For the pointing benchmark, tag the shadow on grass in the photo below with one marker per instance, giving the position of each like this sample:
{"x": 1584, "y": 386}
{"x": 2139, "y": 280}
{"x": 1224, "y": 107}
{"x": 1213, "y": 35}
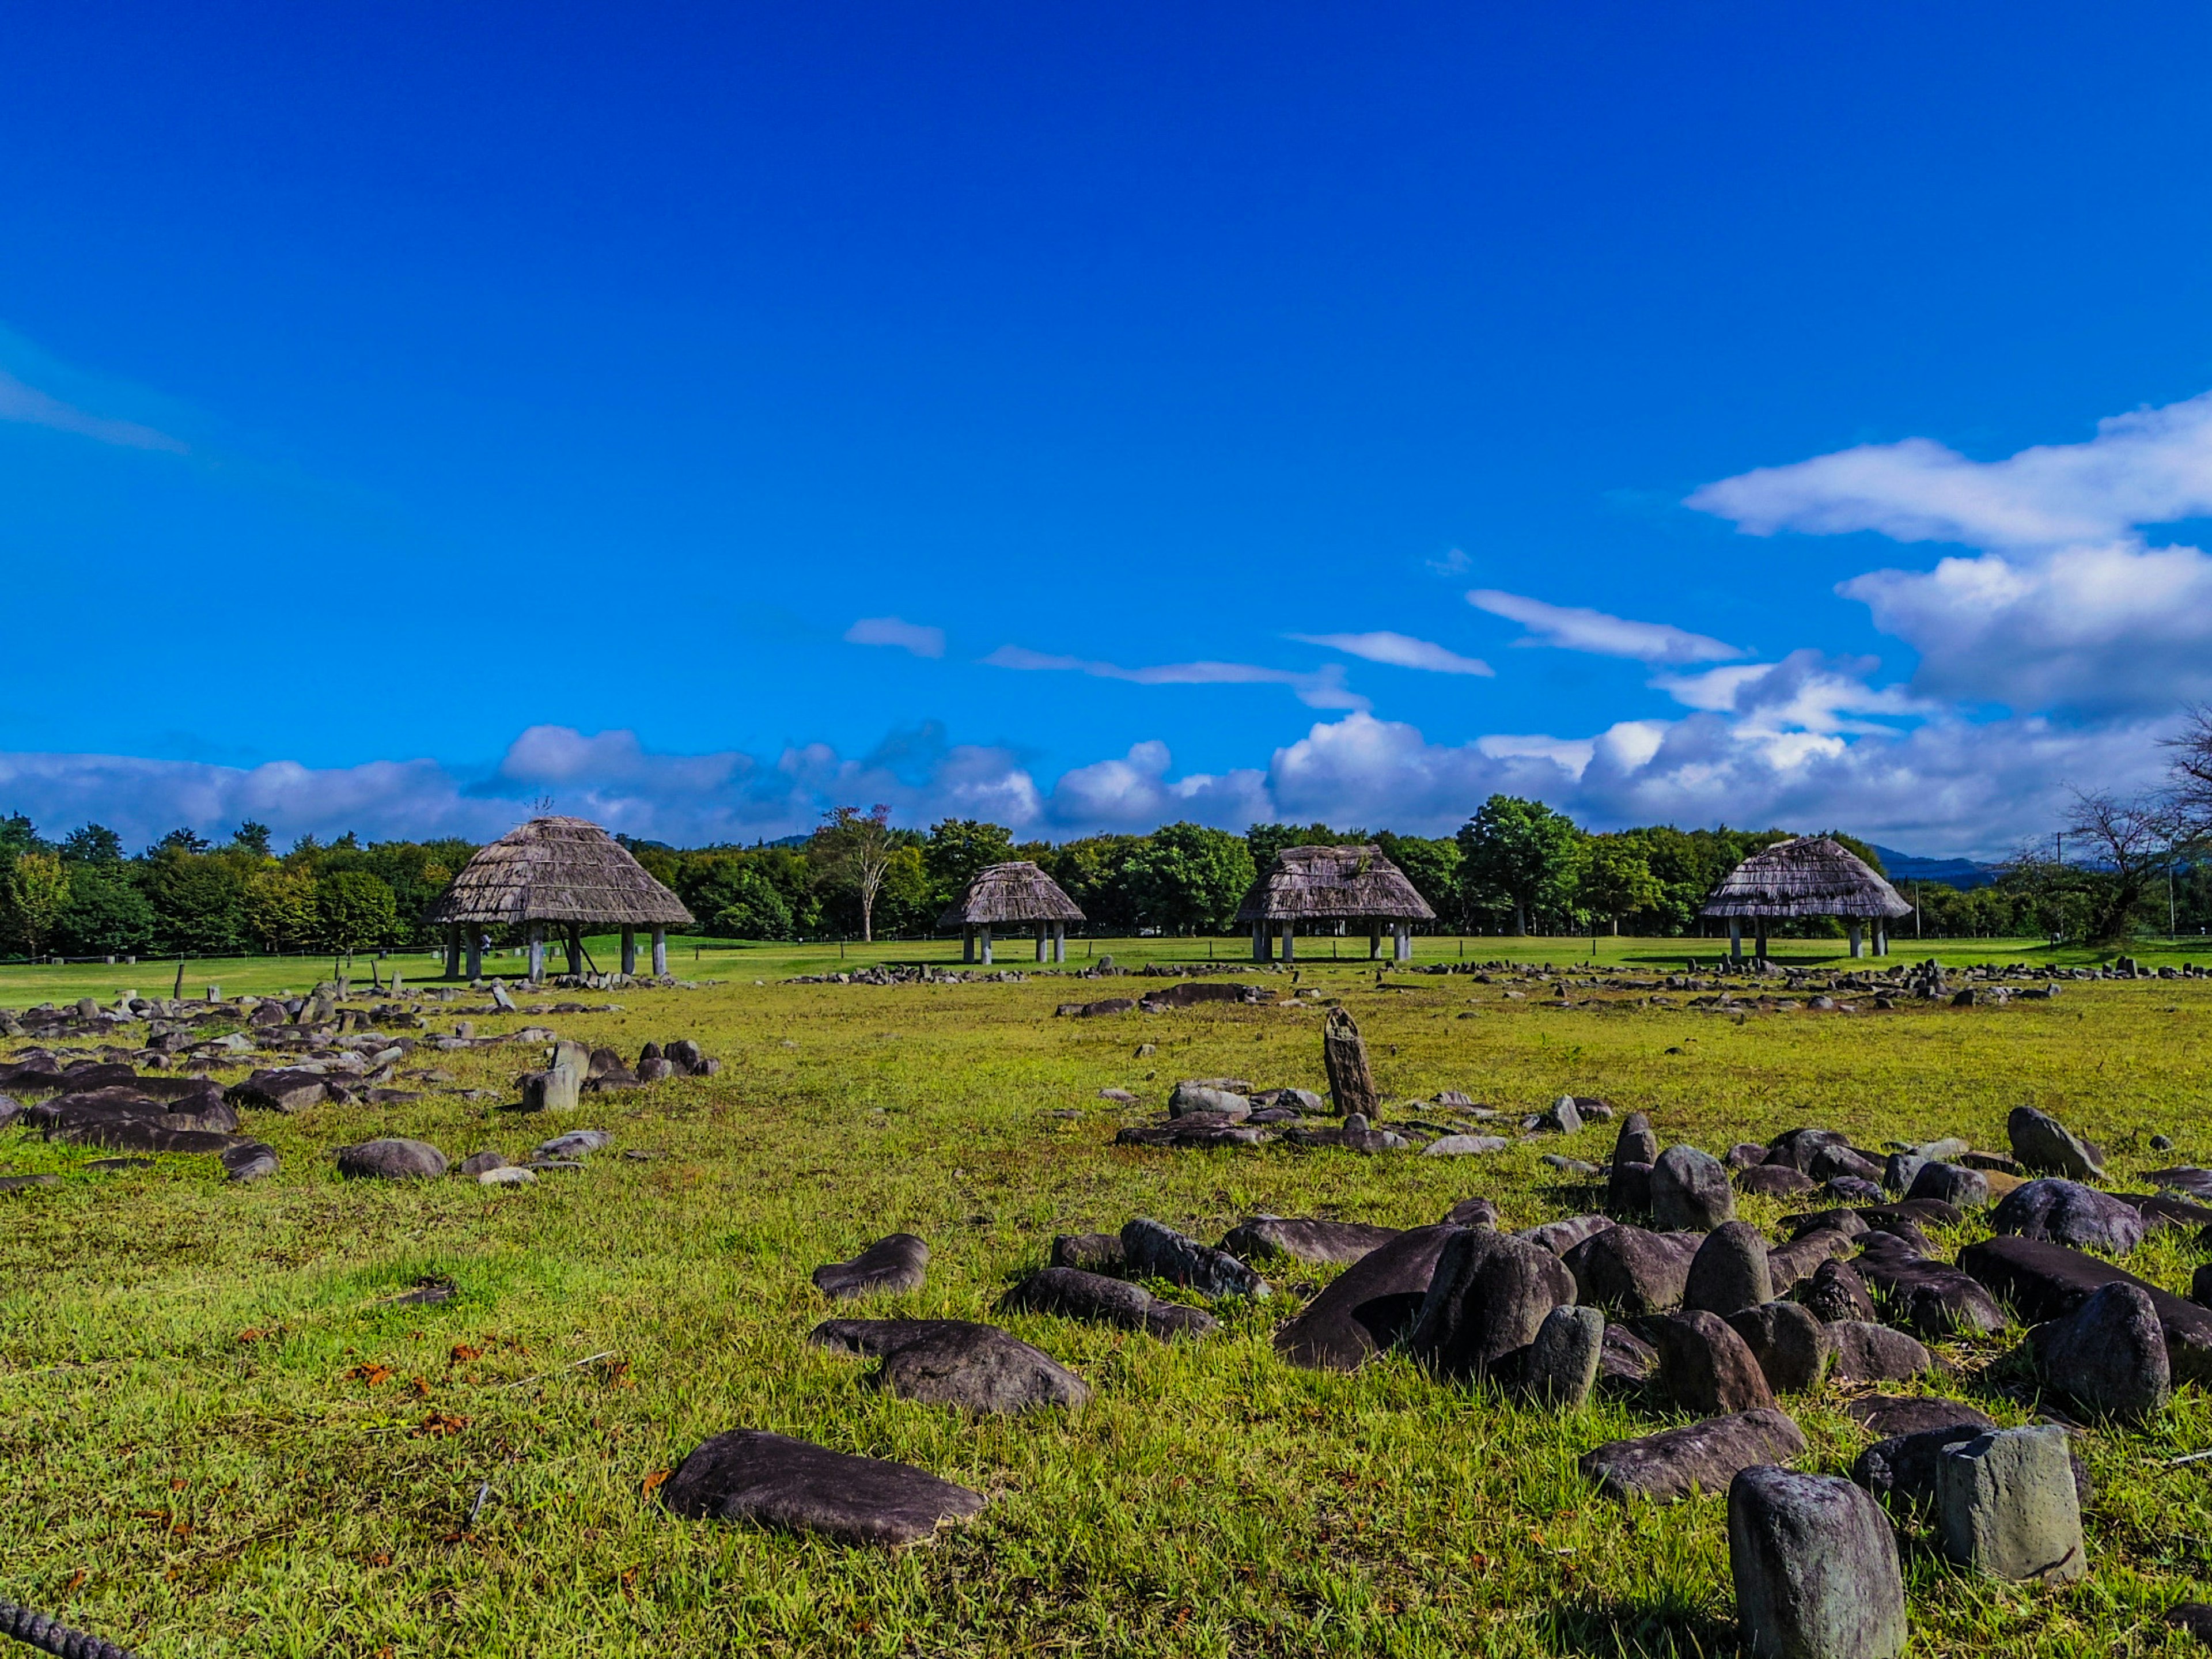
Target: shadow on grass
{"x": 1661, "y": 1627}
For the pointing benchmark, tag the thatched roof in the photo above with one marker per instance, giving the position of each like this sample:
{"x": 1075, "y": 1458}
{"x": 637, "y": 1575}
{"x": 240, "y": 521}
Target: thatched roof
{"x": 558, "y": 869}
{"x": 1009, "y": 893}
{"x": 1811, "y": 876}
{"x": 1333, "y": 884}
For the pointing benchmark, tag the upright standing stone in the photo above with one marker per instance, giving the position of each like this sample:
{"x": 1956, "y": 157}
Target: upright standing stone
{"x": 1706, "y": 1368}
{"x": 2108, "y": 1356}
{"x": 1344, "y": 1055}
{"x": 1561, "y": 1366}
{"x": 1730, "y": 1272}
{"x": 557, "y": 1089}
{"x": 1690, "y": 1191}
{"x": 2006, "y": 1505}
{"x": 1815, "y": 1567}
{"x": 2045, "y": 1146}
{"x": 1637, "y": 1143}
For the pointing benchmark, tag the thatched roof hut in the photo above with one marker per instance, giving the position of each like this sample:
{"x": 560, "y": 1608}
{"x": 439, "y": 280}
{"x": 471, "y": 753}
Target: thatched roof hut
{"x": 1331, "y": 885}
{"x": 1810, "y": 876}
{"x": 560, "y": 873}
{"x": 1013, "y": 895}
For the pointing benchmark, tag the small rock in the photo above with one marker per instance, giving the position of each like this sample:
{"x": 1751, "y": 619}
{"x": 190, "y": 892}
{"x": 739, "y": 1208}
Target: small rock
{"x": 1636, "y": 1143}
{"x": 1792, "y": 1347}
{"x": 888, "y": 1267}
{"x": 1690, "y": 1191}
{"x": 575, "y": 1143}
{"x": 1699, "y": 1457}
{"x": 476, "y": 1164}
{"x": 1730, "y": 1272}
{"x": 772, "y": 1481}
{"x": 1815, "y": 1567}
{"x": 1560, "y": 1117}
{"x": 392, "y": 1160}
{"x": 2068, "y": 1213}
{"x": 2046, "y": 1147}
{"x": 1837, "y": 1293}
{"x": 1093, "y": 1253}
{"x": 1561, "y": 1366}
{"x": 1560, "y": 1236}
{"x": 249, "y": 1160}
{"x": 2006, "y": 1506}
{"x": 557, "y": 1089}
{"x": 507, "y": 1175}
{"x": 1628, "y": 1189}
{"x": 1471, "y": 1213}
{"x": 1464, "y": 1145}
{"x": 1160, "y": 1252}
{"x": 1774, "y": 1181}
{"x": 1072, "y": 1294}
{"x": 1631, "y": 1271}
{"x": 2161, "y": 1143}
{"x": 2108, "y": 1356}
{"x": 1875, "y": 1354}
{"x": 979, "y": 1368}
{"x": 1705, "y": 1368}
{"x": 1950, "y": 1184}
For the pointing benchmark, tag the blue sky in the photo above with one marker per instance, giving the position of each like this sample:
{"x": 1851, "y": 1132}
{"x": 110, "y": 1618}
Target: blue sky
{"x": 1089, "y": 416}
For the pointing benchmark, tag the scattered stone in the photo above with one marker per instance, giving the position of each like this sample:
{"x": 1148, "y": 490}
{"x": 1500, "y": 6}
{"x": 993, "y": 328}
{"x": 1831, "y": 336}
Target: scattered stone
{"x": 795, "y": 1487}
{"x": 1569, "y": 1166}
{"x": 1193, "y": 1095}
{"x": 2049, "y": 1281}
{"x": 1930, "y": 1299}
{"x": 1690, "y": 1191}
{"x": 392, "y": 1160}
{"x": 1636, "y": 1143}
{"x": 1097, "y": 1299}
{"x": 1369, "y": 1307}
{"x": 978, "y": 1368}
{"x": 1791, "y": 1264}
{"x": 1489, "y": 1297}
{"x": 1815, "y": 1567}
{"x": 1626, "y": 1361}
{"x": 2067, "y": 1213}
{"x": 1119, "y": 1096}
{"x": 279, "y": 1091}
{"x": 557, "y": 1089}
{"x": 1093, "y": 1253}
{"x": 249, "y": 1160}
{"x": 1304, "y": 1241}
{"x": 1471, "y": 1213}
{"x": 508, "y": 1175}
{"x": 1852, "y": 1189}
{"x": 1631, "y": 1271}
{"x": 1837, "y": 1293}
{"x": 1875, "y": 1354}
{"x": 1628, "y": 1189}
{"x": 1774, "y": 1181}
{"x": 890, "y": 1266}
{"x": 1560, "y": 1236}
{"x": 1895, "y": 1415}
{"x": 1950, "y": 1184}
{"x": 1464, "y": 1145}
{"x": 1560, "y": 1117}
{"x": 2108, "y": 1356}
{"x": 1792, "y": 1347}
{"x": 2006, "y": 1505}
{"x": 1561, "y": 1366}
{"x": 2046, "y": 1146}
{"x": 1705, "y": 1368}
{"x": 476, "y": 1164}
{"x": 1159, "y": 1252}
{"x": 575, "y": 1143}
{"x": 1699, "y": 1457}
{"x": 1730, "y": 1272}
{"x": 23, "y": 1183}
{"x": 2194, "y": 1617}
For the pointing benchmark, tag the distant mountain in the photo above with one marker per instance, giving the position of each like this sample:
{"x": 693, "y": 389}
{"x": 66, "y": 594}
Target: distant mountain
{"x": 1952, "y": 873}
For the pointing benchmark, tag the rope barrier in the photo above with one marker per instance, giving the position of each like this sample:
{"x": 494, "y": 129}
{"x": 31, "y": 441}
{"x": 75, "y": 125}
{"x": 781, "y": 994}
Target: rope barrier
{"x": 50, "y": 1636}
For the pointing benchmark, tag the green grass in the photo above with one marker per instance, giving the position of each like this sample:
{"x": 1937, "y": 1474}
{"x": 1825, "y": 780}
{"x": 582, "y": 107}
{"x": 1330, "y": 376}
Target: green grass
{"x": 193, "y": 1460}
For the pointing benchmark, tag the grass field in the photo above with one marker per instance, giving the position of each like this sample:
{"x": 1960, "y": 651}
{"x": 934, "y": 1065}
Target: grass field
{"x": 217, "y": 1436}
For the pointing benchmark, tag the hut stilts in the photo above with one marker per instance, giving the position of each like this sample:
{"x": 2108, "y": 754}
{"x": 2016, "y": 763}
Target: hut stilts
{"x": 1810, "y": 876}
{"x": 1332, "y": 886}
{"x": 1017, "y": 894}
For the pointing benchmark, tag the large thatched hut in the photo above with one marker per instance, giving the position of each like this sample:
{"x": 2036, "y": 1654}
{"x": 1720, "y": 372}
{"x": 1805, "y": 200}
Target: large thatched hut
{"x": 1811, "y": 876}
{"x": 1009, "y": 896}
{"x": 1336, "y": 886}
{"x": 565, "y": 873}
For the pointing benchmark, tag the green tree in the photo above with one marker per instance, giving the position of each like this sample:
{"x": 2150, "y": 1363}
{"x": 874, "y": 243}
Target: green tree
{"x": 1265, "y": 841}
{"x": 199, "y": 902}
{"x": 280, "y": 907}
{"x": 106, "y": 914}
{"x": 251, "y": 837}
{"x": 19, "y": 835}
{"x": 1617, "y": 879}
{"x": 958, "y": 849}
{"x": 752, "y": 908}
{"x": 1095, "y": 872}
{"x": 355, "y": 910}
{"x": 1519, "y": 856}
{"x": 1432, "y": 865}
{"x": 854, "y": 850}
{"x": 95, "y": 843}
{"x": 1186, "y": 877}
{"x": 38, "y": 887}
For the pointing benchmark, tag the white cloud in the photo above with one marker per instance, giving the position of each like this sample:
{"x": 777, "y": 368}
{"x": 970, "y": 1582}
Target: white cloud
{"x": 1573, "y": 629}
{"x": 2065, "y": 609}
{"x": 1454, "y": 563}
{"x": 2149, "y": 467}
{"x": 1322, "y": 687}
{"x": 1399, "y": 651}
{"x": 916, "y": 637}
{"x": 1805, "y": 691}
{"x": 29, "y": 406}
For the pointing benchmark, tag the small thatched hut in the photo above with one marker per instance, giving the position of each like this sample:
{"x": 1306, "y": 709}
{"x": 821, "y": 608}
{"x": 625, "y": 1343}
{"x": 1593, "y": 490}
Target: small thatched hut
{"x": 1335, "y": 885}
{"x": 1811, "y": 876}
{"x": 566, "y": 873}
{"x": 1014, "y": 895}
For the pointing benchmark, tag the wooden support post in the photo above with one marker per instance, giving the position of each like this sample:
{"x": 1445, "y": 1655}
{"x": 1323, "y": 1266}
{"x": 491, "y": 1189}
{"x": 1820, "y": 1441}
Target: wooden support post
{"x": 967, "y": 943}
{"x": 453, "y": 951}
{"x": 1263, "y": 947}
{"x": 1344, "y": 1057}
{"x": 629, "y": 952}
{"x": 1403, "y": 943}
{"x": 983, "y": 942}
{"x": 575, "y": 944}
{"x": 476, "y": 953}
{"x": 1736, "y": 938}
{"x": 537, "y": 952}
{"x": 660, "y": 953}
{"x": 1060, "y": 941}
{"x": 1290, "y": 946}
{"x": 1859, "y": 939}
{"x": 1760, "y": 950}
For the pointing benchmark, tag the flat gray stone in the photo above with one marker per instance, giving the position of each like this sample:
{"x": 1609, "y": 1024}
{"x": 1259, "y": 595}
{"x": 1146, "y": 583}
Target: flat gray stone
{"x": 793, "y": 1485}
{"x": 391, "y": 1160}
{"x": 1950, "y": 1184}
{"x": 980, "y": 1369}
{"x": 1815, "y": 1568}
{"x": 889, "y": 1266}
{"x": 1369, "y": 1307}
{"x": 1319, "y": 1241}
{"x": 2006, "y": 1506}
{"x": 1074, "y": 1294}
{"x": 1157, "y": 1251}
{"x": 1875, "y": 1354}
{"x": 1698, "y": 1456}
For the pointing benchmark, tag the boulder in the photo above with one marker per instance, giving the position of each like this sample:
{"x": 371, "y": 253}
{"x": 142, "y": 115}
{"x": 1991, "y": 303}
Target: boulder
{"x": 1194, "y": 1097}
{"x": 1836, "y": 1160}
{"x": 279, "y": 1091}
{"x": 555, "y": 1089}
{"x": 1471, "y": 1213}
{"x": 1369, "y": 1307}
{"x": 1774, "y": 1181}
{"x": 1705, "y": 1368}
{"x": 1561, "y": 1366}
{"x": 2044, "y": 1146}
{"x": 1321, "y": 1242}
{"x": 887, "y": 1268}
{"x": 1074, "y": 1294}
{"x": 1560, "y": 1236}
{"x": 1625, "y": 1361}
{"x": 2049, "y": 1281}
{"x": 981, "y": 1368}
{"x": 1690, "y": 1191}
{"x": 1635, "y": 1143}
{"x": 1092, "y": 1252}
{"x": 1836, "y": 1291}
{"x": 792, "y": 1485}
{"x": 2006, "y": 1505}
{"x": 1490, "y": 1293}
{"x": 1728, "y": 1274}
{"x": 1464, "y": 1145}
{"x": 2068, "y": 1213}
{"x": 249, "y": 1160}
{"x": 1699, "y": 1457}
{"x": 1628, "y": 1189}
{"x": 1792, "y": 1347}
{"x": 1789, "y": 1265}
{"x": 1875, "y": 1354}
{"x": 1631, "y": 1271}
{"x": 1887, "y": 1416}
{"x": 1952, "y": 1183}
{"x": 2108, "y": 1356}
{"x": 391, "y": 1160}
{"x": 1157, "y": 1251}
{"x": 1815, "y": 1568}
{"x": 577, "y": 1143}
{"x": 1851, "y": 1189}
{"x": 1930, "y": 1299}
{"x": 1560, "y": 1117}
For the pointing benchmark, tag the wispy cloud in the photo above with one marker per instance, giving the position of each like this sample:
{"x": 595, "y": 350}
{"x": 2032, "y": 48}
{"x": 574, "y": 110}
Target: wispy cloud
{"x": 1454, "y": 563}
{"x": 1571, "y": 628}
{"x": 919, "y": 638}
{"x": 1399, "y": 651}
{"x": 1321, "y": 688}
{"x": 29, "y": 406}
